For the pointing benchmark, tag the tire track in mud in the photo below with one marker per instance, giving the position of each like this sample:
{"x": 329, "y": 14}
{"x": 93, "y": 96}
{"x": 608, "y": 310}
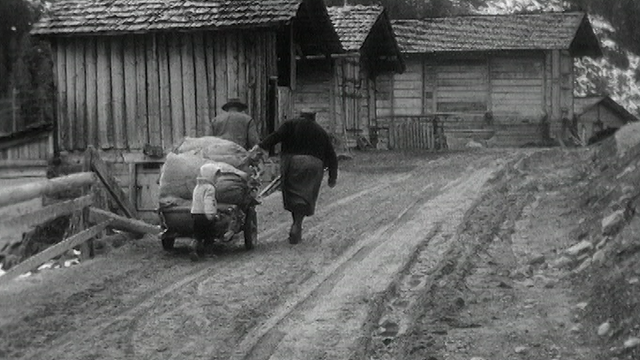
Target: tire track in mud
{"x": 143, "y": 303}
{"x": 329, "y": 276}
{"x": 149, "y": 300}
{"x": 301, "y": 330}
{"x": 394, "y": 333}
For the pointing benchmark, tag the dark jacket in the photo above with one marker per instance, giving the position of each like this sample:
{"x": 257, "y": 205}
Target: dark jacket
{"x": 305, "y": 137}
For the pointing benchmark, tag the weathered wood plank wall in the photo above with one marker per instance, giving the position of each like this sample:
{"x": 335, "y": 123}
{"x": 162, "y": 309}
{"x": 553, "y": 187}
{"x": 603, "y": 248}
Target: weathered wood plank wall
{"x": 122, "y": 92}
{"x": 519, "y": 89}
{"x": 407, "y": 97}
{"x": 39, "y": 147}
{"x": 314, "y": 90}
{"x": 384, "y": 95}
{"x": 461, "y": 86}
{"x": 517, "y": 86}
{"x": 342, "y": 94}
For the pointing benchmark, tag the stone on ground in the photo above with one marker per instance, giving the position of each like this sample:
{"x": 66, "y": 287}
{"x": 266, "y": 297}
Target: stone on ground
{"x": 612, "y": 222}
{"x": 604, "y": 329}
{"x": 627, "y": 137}
{"x": 579, "y": 248}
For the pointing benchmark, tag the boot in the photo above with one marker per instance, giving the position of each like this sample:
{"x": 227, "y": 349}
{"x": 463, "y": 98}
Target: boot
{"x": 196, "y": 249}
{"x": 295, "y": 234}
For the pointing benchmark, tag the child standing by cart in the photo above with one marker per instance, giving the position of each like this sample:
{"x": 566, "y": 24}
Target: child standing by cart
{"x": 204, "y": 208}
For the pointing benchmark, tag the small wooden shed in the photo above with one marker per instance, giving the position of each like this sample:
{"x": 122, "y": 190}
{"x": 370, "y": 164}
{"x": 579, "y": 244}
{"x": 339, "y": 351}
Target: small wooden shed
{"x": 134, "y": 77}
{"x": 598, "y": 113}
{"x": 507, "y": 79}
{"x": 24, "y": 154}
{"x": 341, "y": 89}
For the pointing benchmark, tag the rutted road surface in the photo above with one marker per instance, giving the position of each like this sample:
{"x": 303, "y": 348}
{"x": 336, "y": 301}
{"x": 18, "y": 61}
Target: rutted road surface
{"x": 314, "y": 300}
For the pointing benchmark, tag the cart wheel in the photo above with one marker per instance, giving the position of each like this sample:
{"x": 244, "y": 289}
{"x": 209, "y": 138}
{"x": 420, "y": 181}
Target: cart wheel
{"x": 250, "y": 229}
{"x": 167, "y": 243}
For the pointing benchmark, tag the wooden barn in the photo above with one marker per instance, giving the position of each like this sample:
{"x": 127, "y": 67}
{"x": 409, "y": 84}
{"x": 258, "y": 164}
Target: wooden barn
{"x": 134, "y": 77}
{"x": 341, "y": 89}
{"x": 505, "y": 80}
{"x": 599, "y": 113}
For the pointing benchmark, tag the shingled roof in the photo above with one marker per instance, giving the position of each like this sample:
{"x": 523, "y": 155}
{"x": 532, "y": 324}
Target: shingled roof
{"x": 353, "y": 23}
{"x": 547, "y": 31}
{"x": 367, "y": 29}
{"x": 66, "y": 17}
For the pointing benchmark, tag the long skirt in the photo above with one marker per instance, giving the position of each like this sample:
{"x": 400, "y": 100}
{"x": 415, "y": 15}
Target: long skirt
{"x": 302, "y": 177}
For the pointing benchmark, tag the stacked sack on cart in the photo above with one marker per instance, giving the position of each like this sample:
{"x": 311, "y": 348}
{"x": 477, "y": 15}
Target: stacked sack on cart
{"x": 182, "y": 167}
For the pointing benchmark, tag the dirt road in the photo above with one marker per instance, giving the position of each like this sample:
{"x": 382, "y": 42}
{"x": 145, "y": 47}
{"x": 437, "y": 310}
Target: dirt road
{"x": 397, "y": 227}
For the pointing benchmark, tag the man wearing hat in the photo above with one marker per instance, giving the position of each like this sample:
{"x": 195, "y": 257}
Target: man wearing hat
{"x": 234, "y": 125}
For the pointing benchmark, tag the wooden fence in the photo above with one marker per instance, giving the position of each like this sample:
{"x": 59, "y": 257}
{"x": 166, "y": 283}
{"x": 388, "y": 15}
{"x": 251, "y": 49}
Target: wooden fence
{"x": 90, "y": 220}
{"x": 407, "y": 133}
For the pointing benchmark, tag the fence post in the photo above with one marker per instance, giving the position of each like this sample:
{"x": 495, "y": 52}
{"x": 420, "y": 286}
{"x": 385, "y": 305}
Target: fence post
{"x": 14, "y": 110}
{"x": 87, "y": 248}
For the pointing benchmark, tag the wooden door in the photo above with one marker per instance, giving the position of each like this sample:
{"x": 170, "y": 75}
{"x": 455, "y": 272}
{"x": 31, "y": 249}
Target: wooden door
{"x": 147, "y": 177}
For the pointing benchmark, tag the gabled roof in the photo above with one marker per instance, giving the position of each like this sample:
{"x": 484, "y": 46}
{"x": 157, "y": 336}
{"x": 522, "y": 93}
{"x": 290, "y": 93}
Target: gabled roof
{"x": 582, "y": 105}
{"x": 547, "y": 31}
{"x": 354, "y": 23}
{"x": 367, "y": 29}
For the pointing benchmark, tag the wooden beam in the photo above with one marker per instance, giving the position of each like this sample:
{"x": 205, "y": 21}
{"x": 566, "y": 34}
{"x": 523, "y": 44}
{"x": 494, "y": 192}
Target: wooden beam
{"x": 62, "y": 118}
{"x": 51, "y": 252}
{"x": 104, "y": 99}
{"x": 18, "y": 163}
{"x": 100, "y": 168}
{"x": 118, "y": 94}
{"x": 130, "y": 88}
{"x": 188, "y": 85}
{"x": 91, "y": 96}
{"x": 122, "y": 223}
{"x": 17, "y": 194}
{"x": 48, "y": 213}
{"x": 174, "y": 44}
{"x": 153, "y": 92}
{"x": 70, "y": 82}
{"x": 79, "y": 128}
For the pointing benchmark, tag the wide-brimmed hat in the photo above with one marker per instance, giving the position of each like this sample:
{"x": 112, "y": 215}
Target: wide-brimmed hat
{"x": 235, "y": 102}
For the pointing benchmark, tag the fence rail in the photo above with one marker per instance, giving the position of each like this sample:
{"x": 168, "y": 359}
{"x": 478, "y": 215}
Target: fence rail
{"x": 85, "y": 212}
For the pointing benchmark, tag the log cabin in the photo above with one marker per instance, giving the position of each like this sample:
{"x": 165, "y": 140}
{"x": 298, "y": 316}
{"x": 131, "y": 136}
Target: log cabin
{"x": 341, "y": 89}
{"x": 503, "y": 80}
{"x": 594, "y": 114}
{"x": 134, "y": 77}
